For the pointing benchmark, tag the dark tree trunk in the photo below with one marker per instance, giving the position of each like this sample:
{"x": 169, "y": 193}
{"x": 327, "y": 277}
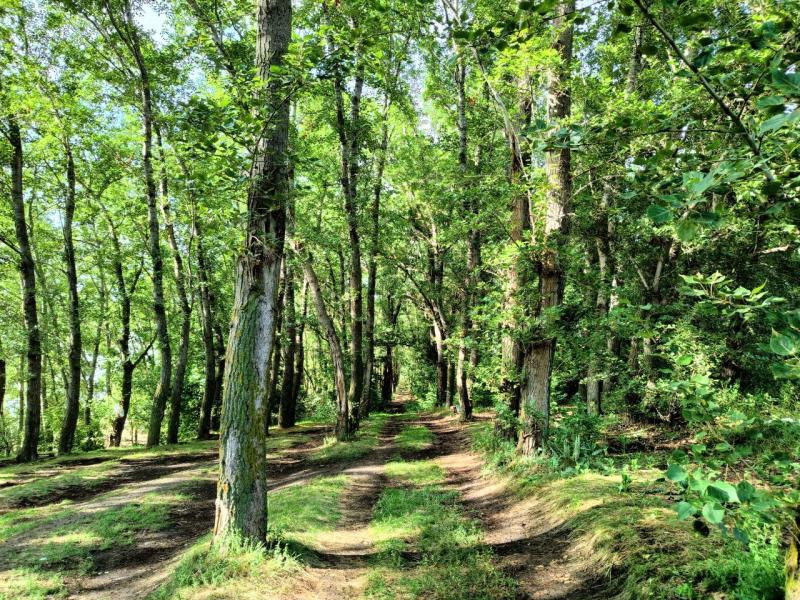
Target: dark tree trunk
{"x": 299, "y": 370}
{"x": 273, "y": 397}
{"x": 287, "y": 409}
{"x": 32, "y": 412}
{"x": 128, "y": 32}
{"x": 242, "y": 488}
{"x": 535, "y": 396}
{"x": 207, "y": 321}
{"x": 67, "y": 438}
{"x": 176, "y": 393}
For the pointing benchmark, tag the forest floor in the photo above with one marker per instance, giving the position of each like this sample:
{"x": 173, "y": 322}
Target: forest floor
{"x": 405, "y": 510}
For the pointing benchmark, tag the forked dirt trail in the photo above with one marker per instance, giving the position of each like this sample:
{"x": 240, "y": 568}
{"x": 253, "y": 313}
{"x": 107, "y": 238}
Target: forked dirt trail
{"x": 527, "y": 544}
{"x": 531, "y": 547}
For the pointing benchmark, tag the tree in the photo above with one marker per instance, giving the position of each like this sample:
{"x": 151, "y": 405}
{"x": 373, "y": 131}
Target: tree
{"x": 242, "y": 488}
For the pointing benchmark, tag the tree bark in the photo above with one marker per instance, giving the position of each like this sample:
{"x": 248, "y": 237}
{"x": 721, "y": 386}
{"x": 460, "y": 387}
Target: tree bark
{"x": 344, "y": 424}
{"x": 207, "y": 322}
{"x": 176, "y": 393}
{"x": 287, "y": 409}
{"x": 32, "y": 412}
{"x": 128, "y": 32}
{"x": 242, "y": 487}
{"x": 535, "y": 411}
{"x": 67, "y": 437}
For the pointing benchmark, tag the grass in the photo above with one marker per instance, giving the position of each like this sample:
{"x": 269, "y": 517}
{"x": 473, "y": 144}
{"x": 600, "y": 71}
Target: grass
{"x": 240, "y": 570}
{"x": 414, "y": 437}
{"x": 50, "y": 477}
{"x": 364, "y": 442}
{"x": 631, "y": 534}
{"x": 298, "y": 512}
{"x": 418, "y": 517}
{"x": 234, "y": 570}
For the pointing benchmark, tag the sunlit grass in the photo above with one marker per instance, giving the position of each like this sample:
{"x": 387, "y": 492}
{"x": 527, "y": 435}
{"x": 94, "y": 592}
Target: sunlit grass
{"x": 364, "y": 441}
{"x": 414, "y": 437}
{"x": 424, "y": 520}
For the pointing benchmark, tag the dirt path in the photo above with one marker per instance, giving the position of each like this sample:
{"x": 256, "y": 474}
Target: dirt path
{"x": 131, "y": 573}
{"x": 528, "y": 544}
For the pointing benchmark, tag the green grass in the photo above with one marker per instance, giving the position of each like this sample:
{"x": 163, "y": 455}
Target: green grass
{"x": 414, "y": 437}
{"x": 299, "y": 511}
{"x": 45, "y": 479}
{"x": 233, "y": 569}
{"x": 635, "y": 534}
{"x": 422, "y": 518}
{"x": 364, "y": 442}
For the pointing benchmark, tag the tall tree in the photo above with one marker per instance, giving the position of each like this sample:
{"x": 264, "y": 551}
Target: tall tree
{"x": 242, "y": 488}
{"x": 29, "y": 447}
{"x": 558, "y": 166}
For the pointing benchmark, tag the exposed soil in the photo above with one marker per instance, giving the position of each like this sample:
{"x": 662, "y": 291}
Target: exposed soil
{"x": 130, "y": 471}
{"x": 529, "y": 544}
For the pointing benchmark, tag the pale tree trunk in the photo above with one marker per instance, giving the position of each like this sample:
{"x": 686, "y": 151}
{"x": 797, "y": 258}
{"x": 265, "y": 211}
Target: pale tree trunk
{"x": 176, "y": 393}
{"x": 535, "y": 397}
{"x": 32, "y": 411}
{"x": 67, "y": 437}
{"x": 241, "y": 506}
{"x": 299, "y": 370}
{"x": 90, "y": 376}
{"x": 793, "y": 561}
{"x": 343, "y": 426}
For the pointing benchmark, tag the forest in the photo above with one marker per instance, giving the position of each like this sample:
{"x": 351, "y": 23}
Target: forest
{"x": 394, "y": 299}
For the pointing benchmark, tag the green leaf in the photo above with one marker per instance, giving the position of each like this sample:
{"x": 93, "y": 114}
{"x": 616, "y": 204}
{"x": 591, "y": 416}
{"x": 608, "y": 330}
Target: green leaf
{"x": 782, "y": 344}
{"x": 745, "y": 490}
{"x": 684, "y": 360}
{"x": 713, "y": 512}
{"x": 659, "y": 214}
{"x": 770, "y": 101}
{"x": 685, "y": 510}
{"x": 741, "y": 536}
{"x": 686, "y": 230}
{"x": 723, "y": 491}
{"x": 677, "y": 473}
{"x": 779, "y": 121}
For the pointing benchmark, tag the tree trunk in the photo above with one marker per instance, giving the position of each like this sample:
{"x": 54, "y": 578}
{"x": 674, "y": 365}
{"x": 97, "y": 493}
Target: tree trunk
{"x": 242, "y": 488}
{"x": 273, "y": 398}
{"x": 67, "y": 437}
{"x": 176, "y": 393}
{"x": 535, "y": 411}
{"x": 127, "y": 30}
{"x": 299, "y": 371}
{"x": 287, "y": 410}
{"x": 343, "y": 421}
{"x": 793, "y": 561}
{"x": 207, "y": 321}
{"x": 32, "y": 412}
{"x": 87, "y": 404}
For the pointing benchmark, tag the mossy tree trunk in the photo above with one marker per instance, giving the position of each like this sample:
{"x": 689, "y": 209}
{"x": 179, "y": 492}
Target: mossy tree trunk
{"x": 535, "y": 398}
{"x": 241, "y": 506}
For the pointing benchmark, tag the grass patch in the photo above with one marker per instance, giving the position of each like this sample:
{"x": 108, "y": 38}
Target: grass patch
{"x": 632, "y": 531}
{"x": 65, "y": 539}
{"x": 298, "y": 512}
{"x": 364, "y": 441}
{"x": 414, "y": 437}
{"x": 237, "y": 569}
{"x": 25, "y": 584}
{"x": 424, "y": 520}
{"x": 42, "y": 479}
{"x": 284, "y": 442}
{"x": 231, "y": 570}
